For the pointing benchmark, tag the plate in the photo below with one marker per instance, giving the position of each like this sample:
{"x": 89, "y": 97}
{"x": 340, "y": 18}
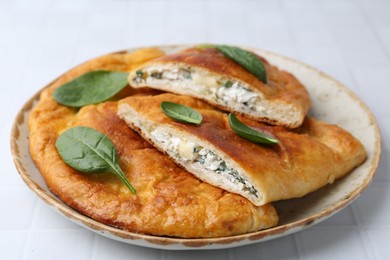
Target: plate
{"x": 332, "y": 102}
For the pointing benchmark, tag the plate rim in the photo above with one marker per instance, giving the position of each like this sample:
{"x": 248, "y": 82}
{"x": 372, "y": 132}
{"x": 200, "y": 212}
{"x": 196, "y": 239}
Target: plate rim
{"x": 194, "y": 243}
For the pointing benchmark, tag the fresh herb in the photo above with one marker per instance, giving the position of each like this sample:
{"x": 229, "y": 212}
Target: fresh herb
{"x": 91, "y": 88}
{"x": 222, "y": 166}
{"x": 139, "y": 76}
{"x": 228, "y": 84}
{"x": 181, "y": 113}
{"x": 187, "y": 74}
{"x": 139, "y": 73}
{"x": 202, "y": 159}
{"x": 249, "y": 133}
{"x": 157, "y": 75}
{"x": 88, "y": 150}
{"x": 246, "y": 59}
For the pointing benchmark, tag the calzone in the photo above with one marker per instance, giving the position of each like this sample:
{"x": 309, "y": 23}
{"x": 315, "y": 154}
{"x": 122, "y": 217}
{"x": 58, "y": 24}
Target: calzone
{"x": 306, "y": 158}
{"x": 207, "y": 74}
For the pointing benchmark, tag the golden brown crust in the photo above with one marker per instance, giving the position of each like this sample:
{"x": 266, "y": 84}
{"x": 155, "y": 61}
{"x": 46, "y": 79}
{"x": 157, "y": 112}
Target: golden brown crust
{"x": 306, "y": 159}
{"x": 282, "y": 87}
{"x": 169, "y": 201}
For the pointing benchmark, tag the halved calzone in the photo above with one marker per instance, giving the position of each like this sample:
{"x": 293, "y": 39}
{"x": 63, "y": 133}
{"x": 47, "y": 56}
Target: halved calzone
{"x": 207, "y": 74}
{"x": 306, "y": 158}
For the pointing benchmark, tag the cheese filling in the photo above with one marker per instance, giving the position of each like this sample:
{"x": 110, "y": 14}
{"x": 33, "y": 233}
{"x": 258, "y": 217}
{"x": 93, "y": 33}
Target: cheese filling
{"x": 191, "y": 153}
{"x": 221, "y": 90}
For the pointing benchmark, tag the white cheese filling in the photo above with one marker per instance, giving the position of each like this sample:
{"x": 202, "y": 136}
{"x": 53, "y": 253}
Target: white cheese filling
{"x": 220, "y": 90}
{"x": 193, "y": 154}
{"x": 240, "y": 96}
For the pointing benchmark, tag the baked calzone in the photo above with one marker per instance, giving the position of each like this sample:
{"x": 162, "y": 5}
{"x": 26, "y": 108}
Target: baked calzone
{"x": 207, "y": 74}
{"x": 304, "y": 160}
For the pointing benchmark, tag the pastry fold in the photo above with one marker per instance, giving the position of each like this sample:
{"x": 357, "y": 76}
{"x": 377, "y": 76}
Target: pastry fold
{"x": 208, "y": 75}
{"x": 306, "y": 159}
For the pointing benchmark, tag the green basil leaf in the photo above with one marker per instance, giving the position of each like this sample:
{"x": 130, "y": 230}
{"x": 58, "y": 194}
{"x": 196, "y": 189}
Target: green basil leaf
{"x": 181, "y": 113}
{"x": 249, "y": 133}
{"x": 246, "y": 59}
{"x": 88, "y": 150}
{"x": 90, "y": 88}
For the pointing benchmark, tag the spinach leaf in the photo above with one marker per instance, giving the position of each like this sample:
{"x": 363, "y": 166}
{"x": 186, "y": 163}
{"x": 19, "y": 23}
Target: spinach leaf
{"x": 88, "y": 150}
{"x": 246, "y": 59}
{"x": 90, "y": 88}
{"x": 249, "y": 133}
{"x": 181, "y": 113}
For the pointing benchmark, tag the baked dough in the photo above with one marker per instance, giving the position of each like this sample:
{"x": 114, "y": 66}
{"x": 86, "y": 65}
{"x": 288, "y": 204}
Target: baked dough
{"x": 306, "y": 159}
{"x": 169, "y": 201}
{"x": 208, "y": 75}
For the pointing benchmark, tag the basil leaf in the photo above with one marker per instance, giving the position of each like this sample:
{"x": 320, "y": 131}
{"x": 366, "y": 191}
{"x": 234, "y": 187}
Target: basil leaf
{"x": 90, "y": 151}
{"x": 181, "y": 113}
{"x": 246, "y": 59}
{"x": 249, "y": 133}
{"x": 90, "y": 88}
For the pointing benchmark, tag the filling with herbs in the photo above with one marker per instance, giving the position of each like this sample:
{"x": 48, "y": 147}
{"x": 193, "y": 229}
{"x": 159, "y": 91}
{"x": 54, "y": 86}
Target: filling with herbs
{"x": 225, "y": 92}
{"x": 188, "y": 151}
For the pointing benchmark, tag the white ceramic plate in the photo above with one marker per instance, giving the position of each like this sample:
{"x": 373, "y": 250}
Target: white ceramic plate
{"x": 332, "y": 102}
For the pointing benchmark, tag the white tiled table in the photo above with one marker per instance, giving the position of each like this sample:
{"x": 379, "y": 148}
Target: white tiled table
{"x": 40, "y": 39}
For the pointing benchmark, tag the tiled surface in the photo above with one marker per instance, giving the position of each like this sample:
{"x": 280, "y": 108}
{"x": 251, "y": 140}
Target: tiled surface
{"x": 349, "y": 39}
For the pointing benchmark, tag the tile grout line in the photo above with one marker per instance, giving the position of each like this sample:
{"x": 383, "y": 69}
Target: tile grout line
{"x": 164, "y": 22}
{"x": 31, "y": 231}
{"x": 96, "y": 242}
{"x": 205, "y": 13}
{"x": 372, "y": 27}
{"x": 286, "y": 18}
{"x": 76, "y": 46}
{"x": 299, "y": 244}
{"x": 246, "y": 25}
{"x": 367, "y": 243}
{"x": 232, "y": 253}
{"x": 345, "y": 64}
{"x": 163, "y": 254}
{"x": 128, "y": 23}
